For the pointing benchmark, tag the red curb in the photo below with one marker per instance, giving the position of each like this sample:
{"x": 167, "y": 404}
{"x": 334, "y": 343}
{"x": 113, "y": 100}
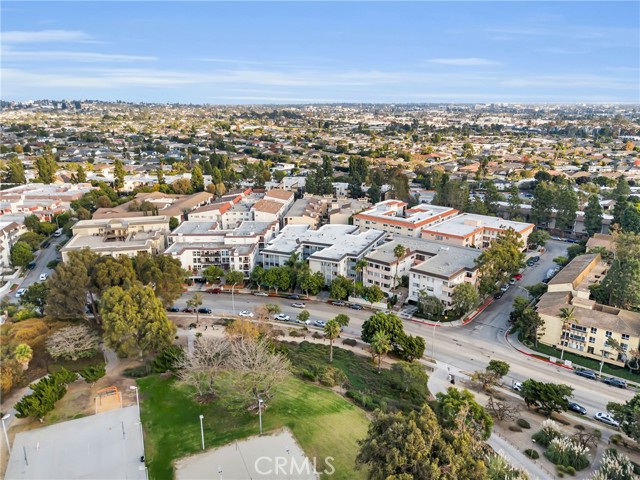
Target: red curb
{"x": 481, "y": 309}
{"x": 532, "y": 355}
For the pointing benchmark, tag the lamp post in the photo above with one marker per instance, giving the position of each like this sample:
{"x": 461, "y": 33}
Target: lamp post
{"x": 4, "y": 428}
{"x": 220, "y": 472}
{"x": 601, "y": 362}
{"x": 233, "y": 301}
{"x": 202, "y": 430}
{"x": 133, "y": 387}
{"x": 260, "y": 402}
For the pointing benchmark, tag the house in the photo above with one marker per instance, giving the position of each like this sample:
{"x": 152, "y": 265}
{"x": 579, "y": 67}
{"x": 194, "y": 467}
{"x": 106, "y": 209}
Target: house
{"x": 9, "y": 234}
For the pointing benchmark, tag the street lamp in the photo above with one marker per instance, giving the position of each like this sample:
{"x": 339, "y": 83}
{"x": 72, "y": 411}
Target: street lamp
{"x": 601, "y": 362}
{"x": 133, "y": 387}
{"x": 220, "y": 472}
{"x": 202, "y": 431}
{"x": 260, "y": 402}
{"x": 4, "y": 428}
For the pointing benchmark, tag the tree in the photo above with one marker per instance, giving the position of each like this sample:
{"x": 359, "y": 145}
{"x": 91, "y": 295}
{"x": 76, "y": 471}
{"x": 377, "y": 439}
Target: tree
{"x": 201, "y": 366}
{"x": 163, "y": 273}
{"x": 21, "y": 254}
{"x": 242, "y": 329}
{"x": 491, "y": 375}
{"x": 491, "y": 198}
{"x": 160, "y": 176}
{"x": 73, "y": 343}
{"x": 548, "y": 397}
{"x": 341, "y": 287}
{"x": 593, "y": 216}
{"x": 544, "y": 197}
{"x": 429, "y": 305}
{"x": 361, "y": 265}
{"x": 118, "y": 175}
{"x": 501, "y": 260}
{"x": 23, "y": 355}
{"x": 257, "y": 276}
{"x": 14, "y": 172}
{"x": 304, "y": 315}
{"x": 498, "y": 367}
{"x": 501, "y": 410}
{"x": 81, "y": 174}
{"x": 622, "y": 188}
{"x": 566, "y": 208}
{"x": 373, "y": 294}
{"x": 46, "y": 168}
{"x": 409, "y": 347}
{"x": 104, "y": 202}
{"x": 568, "y": 317}
{"x": 628, "y": 415}
{"x": 539, "y": 238}
{"x": 630, "y": 219}
{"x": 411, "y": 380}
{"x": 194, "y": 302}
{"x": 387, "y": 323}
{"x": 464, "y": 298}
{"x": 331, "y": 332}
{"x": 212, "y": 273}
{"x": 182, "y": 186}
{"x": 36, "y": 295}
{"x": 197, "y": 179}
{"x": 278, "y": 278}
{"x": 135, "y": 321}
{"x": 107, "y": 272}
{"x": 311, "y": 283}
{"x": 69, "y": 286}
{"x": 342, "y": 319}
{"x": 233, "y": 278}
{"x": 380, "y": 345}
{"x": 513, "y": 203}
{"x": 398, "y": 252}
{"x": 455, "y": 402}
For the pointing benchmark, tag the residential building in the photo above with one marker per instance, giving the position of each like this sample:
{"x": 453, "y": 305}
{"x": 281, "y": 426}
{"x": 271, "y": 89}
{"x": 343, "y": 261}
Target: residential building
{"x": 306, "y": 211}
{"x": 393, "y": 216}
{"x": 478, "y": 231}
{"x": 119, "y": 236}
{"x": 9, "y": 234}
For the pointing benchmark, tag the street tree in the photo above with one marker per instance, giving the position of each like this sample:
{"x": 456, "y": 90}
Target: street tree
{"x": 331, "y": 332}
{"x": 212, "y": 273}
{"x": 373, "y": 294}
{"x": 73, "y": 343}
{"x": 539, "y": 238}
{"x": 464, "y": 298}
{"x": 380, "y": 345}
{"x": 194, "y": 302}
{"x": 135, "y": 321}
{"x": 548, "y": 397}
{"x": 342, "y": 319}
{"x": 278, "y": 278}
{"x": 21, "y": 254}
{"x": 36, "y": 295}
{"x": 341, "y": 287}
{"x": 233, "y": 278}
{"x": 311, "y": 283}
{"x": 387, "y": 323}
{"x": 304, "y": 315}
{"x": 568, "y": 317}
{"x": 501, "y": 410}
{"x": 429, "y": 305}
{"x": 593, "y": 216}
{"x": 164, "y": 274}
{"x": 257, "y": 276}
{"x": 33, "y": 239}
{"x": 501, "y": 260}
{"x": 628, "y": 415}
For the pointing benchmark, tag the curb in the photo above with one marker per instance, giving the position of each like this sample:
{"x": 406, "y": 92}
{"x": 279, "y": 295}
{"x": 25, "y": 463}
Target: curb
{"x": 531, "y": 355}
{"x": 469, "y": 319}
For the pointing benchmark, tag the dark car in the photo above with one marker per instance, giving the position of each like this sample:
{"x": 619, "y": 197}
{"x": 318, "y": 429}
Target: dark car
{"x": 355, "y": 306}
{"x": 536, "y": 259}
{"x": 586, "y": 373}
{"x": 205, "y": 310}
{"x": 498, "y": 295}
{"x": 295, "y": 296}
{"x": 574, "y": 407}
{"x": 173, "y": 309}
{"x": 46, "y": 244}
{"x": 214, "y": 290}
{"x": 31, "y": 265}
{"x": 188, "y": 310}
{"x": 615, "y": 382}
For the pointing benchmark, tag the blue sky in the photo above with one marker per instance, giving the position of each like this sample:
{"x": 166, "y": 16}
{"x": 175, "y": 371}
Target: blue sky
{"x": 302, "y": 52}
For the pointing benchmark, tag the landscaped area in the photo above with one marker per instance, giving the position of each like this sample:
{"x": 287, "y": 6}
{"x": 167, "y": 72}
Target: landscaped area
{"x": 324, "y": 424}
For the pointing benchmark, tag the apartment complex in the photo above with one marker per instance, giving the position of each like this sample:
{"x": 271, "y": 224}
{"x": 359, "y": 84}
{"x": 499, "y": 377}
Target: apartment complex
{"x": 594, "y": 323}
{"x": 431, "y": 267}
{"x": 199, "y": 245}
{"x": 393, "y": 216}
{"x": 477, "y": 231}
{"x": 9, "y": 234}
{"x": 332, "y": 249}
{"x": 119, "y": 236}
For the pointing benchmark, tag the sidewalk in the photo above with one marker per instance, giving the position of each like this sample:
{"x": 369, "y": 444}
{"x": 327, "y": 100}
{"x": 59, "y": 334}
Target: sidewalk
{"x": 456, "y": 323}
{"x": 514, "y": 342}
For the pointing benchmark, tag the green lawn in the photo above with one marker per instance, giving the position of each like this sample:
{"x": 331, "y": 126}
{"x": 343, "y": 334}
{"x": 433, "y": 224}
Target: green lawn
{"x": 324, "y": 424}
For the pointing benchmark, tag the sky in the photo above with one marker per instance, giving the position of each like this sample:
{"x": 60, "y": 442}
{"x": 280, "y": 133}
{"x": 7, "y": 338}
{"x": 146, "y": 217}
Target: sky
{"x": 330, "y": 52}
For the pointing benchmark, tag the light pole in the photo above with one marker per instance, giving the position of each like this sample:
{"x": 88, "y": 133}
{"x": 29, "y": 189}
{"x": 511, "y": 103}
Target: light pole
{"x": 233, "y": 300}
{"x": 4, "y": 428}
{"x": 220, "y": 472}
{"x": 202, "y": 431}
{"x": 133, "y": 387}
{"x": 260, "y": 402}
{"x": 601, "y": 362}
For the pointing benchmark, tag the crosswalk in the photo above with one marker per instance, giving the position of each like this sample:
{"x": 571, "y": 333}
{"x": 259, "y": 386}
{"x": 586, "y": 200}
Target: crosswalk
{"x": 407, "y": 312}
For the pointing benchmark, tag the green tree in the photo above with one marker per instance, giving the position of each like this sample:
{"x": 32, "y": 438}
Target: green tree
{"x": 311, "y": 283}
{"x": 628, "y": 415}
{"x": 304, "y": 315}
{"x": 195, "y": 302}
{"x": 621, "y": 286}
{"x": 118, "y": 175}
{"x": 361, "y": 265}
{"x": 46, "y": 168}
{"x": 81, "y": 174}
{"x": 548, "y": 397}
{"x": 593, "y": 216}
{"x": 409, "y": 347}
{"x": 373, "y": 294}
{"x": 544, "y": 198}
{"x": 568, "y": 317}
{"x": 341, "y": 287}
{"x": 163, "y": 273}
{"x": 566, "y": 208}
{"x": 491, "y": 198}
{"x": 278, "y": 278}
{"x": 342, "y": 319}
{"x": 212, "y": 273}
{"x": 134, "y": 321}
{"x": 331, "y": 332}
{"x": 539, "y": 238}
{"x": 182, "y": 186}
{"x": 464, "y": 298}
{"x": 387, "y": 323}
{"x": 36, "y": 295}
{"x": 501, "y": 260}
{"x": 630, "y": 219}
{"x": 160, "y": 176}
{"x": 380, "y": 345}
{"x": 197, "y": 179}
{"x": 107, "y": 272}
{"x": 69, "y": 286}
{"x": 450, "y": 405}
{"x": 622, "y": 188}
{"x": 498, "y": 367}
{"x": 14, "y": 172}
{"x": 398, "y": 252}
{"x": 257, "y": 276}
{"x": 513, "y": 203}
{"x": 23, "y": 355}
{"x": 21, "y": 254}
{"x": 430, "y": 305}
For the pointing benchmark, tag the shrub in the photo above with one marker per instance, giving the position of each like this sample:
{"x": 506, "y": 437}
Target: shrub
{"x": 562, "y": 421}
{"x": 168, "y": 359}
{"x": 580, "y": 427}
{"x": 549, "y": 431}
{"x": 352, "y": 342}
{"x": 137, "y": 372}
{"x": 568, "y": 453}
{"x": 296, "y": 333}
{"x": 616, "y": 438}
{"x": 523, "y": 423}
{"x": 531, "y": 453}
{"x": 515, "y": 428}
{"x": 615, "y": 466}
{"x": 317, "y": 335}
{"x": 331, "y": 376}
{"x": 93, "y": 373}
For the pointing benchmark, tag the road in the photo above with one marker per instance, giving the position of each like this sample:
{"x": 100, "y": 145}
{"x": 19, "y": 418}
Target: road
{"x": 466, "y": 348}
{"x": 44, "y": 256}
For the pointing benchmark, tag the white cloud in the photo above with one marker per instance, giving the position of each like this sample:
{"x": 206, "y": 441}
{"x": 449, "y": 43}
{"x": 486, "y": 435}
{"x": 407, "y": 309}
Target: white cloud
{"x": 463, "y": 62}
{"x": 87, "y": 57}
{"x": 44, "y": 36}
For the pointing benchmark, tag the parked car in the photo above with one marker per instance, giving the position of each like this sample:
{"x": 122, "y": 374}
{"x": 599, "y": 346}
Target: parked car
{"x": 188, "y": 310}
{"x": 338, "y": 303}
{"x": 498, "y": 295}
{"x": 246, "y": 313}
{"x": 282, "y": 317}
{"x": 298, "y": 305}
{"x": 574, "y": 407}
{"x": 517, "y": 276}
{"x": 606, "y": 418}
{"x": 43, "y": 277}
{"x": 21, "y": 292}
{"x": 173, "y": 309}
{"x": 586, "y": 373}
{"x": 214, "y": 290}
{"x": 46, "y": 244}
{"x": 504, "y": 288}
{"x": 205, "y": 310}
{"x": 31, "y": 265}
{"x": 530, "y": 263}
{"x": 615, "y": 382}
{"x": 517, "y": 386}
{"x": 355, "y": 306}
{"x": 320, "y": 323}
{"x": 261, "y": 294}
{"x": 512, "y": 281}
{"x": 303, "y": 322}
{"x": 294, "y": 296}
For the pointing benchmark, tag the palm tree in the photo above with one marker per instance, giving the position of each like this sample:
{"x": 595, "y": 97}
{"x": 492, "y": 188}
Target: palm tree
{"x": 380, "y": 345}
{"x": 295, "y": 265}
{"x": 23, "y": 355}
{"x": 331, "y": 331}
{"x": 398, "y": 252}
{"x": 194, "y": 302}
{"x": 360, "y": 266}
{"x": 610, "y": 343}
{"x": 568, "y": 317}
{"x": 233, "y": 277}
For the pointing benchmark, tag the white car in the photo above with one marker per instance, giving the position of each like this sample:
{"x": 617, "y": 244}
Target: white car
{"x": 261, "y": 294}
{"x": 319, "y": 323}
{"x": 605, "y": 418}
{"x": 246, "y": 313}
{"x": 517, "y": 386}
{"x": 21, "y": 292}
{"x": 282, "y": 317}
{"x": 298, "y": 305}
{"x": 43, "y": 277}
{"x": 303, "y": 322}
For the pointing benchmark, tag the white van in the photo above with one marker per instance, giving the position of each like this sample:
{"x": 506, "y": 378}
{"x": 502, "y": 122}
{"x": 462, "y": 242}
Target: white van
{"x": 58, "y": 232}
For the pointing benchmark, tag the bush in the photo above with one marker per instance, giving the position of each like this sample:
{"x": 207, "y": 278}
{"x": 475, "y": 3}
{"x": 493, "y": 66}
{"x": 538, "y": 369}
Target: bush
{"x": 331, "y": 376}
{"x": 317, "y": 335}
{"x": 93, "y": 373}
{"x": 350, "y": 341}
{"x": 580, "y": 427}
{"x": 568, "y": 453}
{"x": 515, "y": 428}
{"x": 137, "y": 372}
{"x": 562, "y": 421}
{"x": 523, "y": 423}
{"x": 167, "y": 359}
{"x": 296, "y": 333}
{"x": 531, "y": 453}
{"x": 549, "y": 431}
{"x": 616, "y": 438}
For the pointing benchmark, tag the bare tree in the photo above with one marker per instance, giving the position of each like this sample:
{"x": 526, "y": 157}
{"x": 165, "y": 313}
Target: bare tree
{"x": 203, "y": 365}
{"x": 72, "y": 343}
{"x": 501, "y": 410}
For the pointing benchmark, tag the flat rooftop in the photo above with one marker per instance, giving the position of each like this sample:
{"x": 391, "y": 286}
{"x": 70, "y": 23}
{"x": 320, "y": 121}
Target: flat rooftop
{"x": 349, "y": 245}
{"x": 196, "y": 228}
{"x": 384, "y": 253}
{"x": 392, "y": 210}
{"x": 292, "y": 236}
{"x": 574, "y": 269}
{"x": 467, "y": 224}
{"x": 135, "y": 241}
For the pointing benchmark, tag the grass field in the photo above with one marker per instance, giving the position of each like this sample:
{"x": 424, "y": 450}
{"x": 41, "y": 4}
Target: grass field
{"x": 324, "y": 424}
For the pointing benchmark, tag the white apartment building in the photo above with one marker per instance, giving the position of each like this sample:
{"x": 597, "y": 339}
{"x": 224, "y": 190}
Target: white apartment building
{"x": 9, "y": 234}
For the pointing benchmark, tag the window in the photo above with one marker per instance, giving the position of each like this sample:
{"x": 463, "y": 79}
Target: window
{"x": 608, "y": 334}
{"x": 594, "y": 330}
{"x": 592, "y": 340}
{"x": 438, "y": 237}
{"x": 624, "y": 347}
{"x": 625, "y": 336}
{"x": 429, "y": 289}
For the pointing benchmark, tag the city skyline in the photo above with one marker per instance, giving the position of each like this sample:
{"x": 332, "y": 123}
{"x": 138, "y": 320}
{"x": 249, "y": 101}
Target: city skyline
{"x": 366, "y": 52}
